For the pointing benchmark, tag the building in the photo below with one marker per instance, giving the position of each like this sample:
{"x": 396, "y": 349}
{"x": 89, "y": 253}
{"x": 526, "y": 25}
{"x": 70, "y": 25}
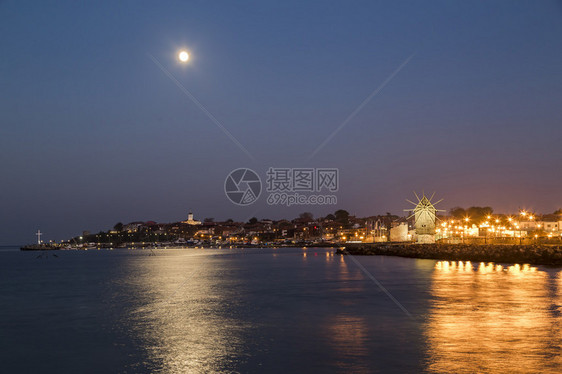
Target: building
{"x": 548, "y": 226}
{"x": 190, "y": 220}
{"x": 399, "y": 233}
{"x": 424, "y": 219}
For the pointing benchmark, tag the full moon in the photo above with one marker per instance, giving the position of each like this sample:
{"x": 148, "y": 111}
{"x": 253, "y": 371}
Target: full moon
{"x": 183, "y": 56}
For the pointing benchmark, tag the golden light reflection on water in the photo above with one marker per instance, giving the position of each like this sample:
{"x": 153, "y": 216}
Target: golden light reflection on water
{"x": 182, "y": 315}
{"x": 494, "y": 319}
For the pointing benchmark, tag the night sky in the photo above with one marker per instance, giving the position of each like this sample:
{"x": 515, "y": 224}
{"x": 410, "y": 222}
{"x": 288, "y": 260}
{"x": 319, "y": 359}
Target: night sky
{"x": 93, "y": 132}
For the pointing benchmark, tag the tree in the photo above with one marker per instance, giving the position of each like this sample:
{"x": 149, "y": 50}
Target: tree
{"x": 477, "y": 213}
{"x": 559, "y": 211}
{"x": 306, "y": 216}
{"x": 253, "y": 221}
{"x": 457, "y": 212}
{"x": 330, "y": 217}
{"x": 209, "y": 220}
{"x": 118, "y": 226}
{"x": 342, "y": 216}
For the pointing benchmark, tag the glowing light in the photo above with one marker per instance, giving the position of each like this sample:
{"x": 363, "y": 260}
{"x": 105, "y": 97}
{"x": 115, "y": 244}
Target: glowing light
{"x": 482, "y": 267}
{"x": 183, "y": 56}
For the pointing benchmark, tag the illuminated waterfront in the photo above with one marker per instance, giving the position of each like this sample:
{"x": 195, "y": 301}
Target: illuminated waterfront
{"x": 267, "y": 310}
{"x": 494, "y": 319}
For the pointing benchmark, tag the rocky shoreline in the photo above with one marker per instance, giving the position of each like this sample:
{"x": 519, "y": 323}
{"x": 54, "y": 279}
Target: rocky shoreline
{"x": 523, "y": 254}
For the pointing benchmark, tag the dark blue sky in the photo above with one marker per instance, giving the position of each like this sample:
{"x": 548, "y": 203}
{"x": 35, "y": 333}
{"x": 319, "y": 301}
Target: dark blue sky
{"x": 93, "y": 132}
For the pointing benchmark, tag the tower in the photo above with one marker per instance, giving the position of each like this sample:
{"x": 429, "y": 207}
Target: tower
{"x": 190, "y": 220}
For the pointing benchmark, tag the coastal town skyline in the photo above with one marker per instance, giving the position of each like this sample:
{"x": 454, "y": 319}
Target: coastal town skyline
{"x": 297, "y": 210}
{"x": 472, "y": 222}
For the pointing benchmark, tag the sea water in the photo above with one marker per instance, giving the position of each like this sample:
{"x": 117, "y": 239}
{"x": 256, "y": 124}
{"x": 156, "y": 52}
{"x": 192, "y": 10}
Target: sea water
{"x": 285, "y": 310}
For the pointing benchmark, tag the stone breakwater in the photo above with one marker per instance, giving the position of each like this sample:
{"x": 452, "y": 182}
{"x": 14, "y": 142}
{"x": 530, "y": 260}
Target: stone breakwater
{"x": 525, "y": 254}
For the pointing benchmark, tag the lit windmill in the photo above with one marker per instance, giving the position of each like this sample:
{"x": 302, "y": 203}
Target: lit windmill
{"x": 424, "y": 214}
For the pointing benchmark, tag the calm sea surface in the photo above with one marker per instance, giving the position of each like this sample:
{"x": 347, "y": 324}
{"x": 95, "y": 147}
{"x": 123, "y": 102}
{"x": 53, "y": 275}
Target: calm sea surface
{"x": 275, "y": 311}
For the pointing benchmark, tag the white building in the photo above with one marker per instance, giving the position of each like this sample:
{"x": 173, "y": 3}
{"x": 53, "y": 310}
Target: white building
{"x": 190, "y": 220}
{"x": 399, "y": 233}
{"x": 554, "y": 227}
